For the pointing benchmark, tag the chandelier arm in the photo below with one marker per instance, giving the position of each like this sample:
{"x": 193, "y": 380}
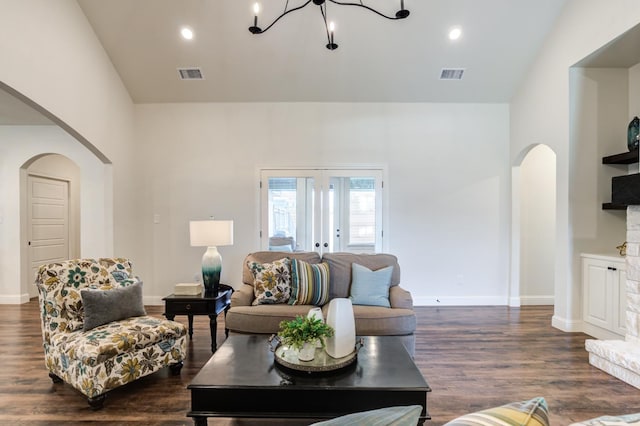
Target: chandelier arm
{"x": 284, "y": 14}
{"x": 324, "y": 18}
{"x": 342, "y": 3}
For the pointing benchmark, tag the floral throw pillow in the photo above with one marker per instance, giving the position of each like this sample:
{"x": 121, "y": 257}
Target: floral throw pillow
{"x": 271, "y": 281}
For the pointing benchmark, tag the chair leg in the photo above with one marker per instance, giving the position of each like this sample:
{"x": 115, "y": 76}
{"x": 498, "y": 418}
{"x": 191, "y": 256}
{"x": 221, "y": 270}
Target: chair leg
{"x": 175, "y": 368}
{"x": 54, "y": 378}
{"x": 96, "y": 403}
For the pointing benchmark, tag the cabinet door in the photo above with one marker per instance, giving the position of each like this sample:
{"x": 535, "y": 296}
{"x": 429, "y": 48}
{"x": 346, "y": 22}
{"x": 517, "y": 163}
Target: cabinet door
{"x": 597, "y": 294}
{"x": 620, "y": 311}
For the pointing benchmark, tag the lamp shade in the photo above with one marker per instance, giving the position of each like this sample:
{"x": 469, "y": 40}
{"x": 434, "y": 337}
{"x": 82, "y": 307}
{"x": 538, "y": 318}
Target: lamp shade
{"x": 210, "y": 233}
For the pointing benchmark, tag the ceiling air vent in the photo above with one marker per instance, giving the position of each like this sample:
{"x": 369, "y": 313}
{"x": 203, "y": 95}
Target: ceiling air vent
{"x": 451, "y": 73}
{"x": 190, "y": 74}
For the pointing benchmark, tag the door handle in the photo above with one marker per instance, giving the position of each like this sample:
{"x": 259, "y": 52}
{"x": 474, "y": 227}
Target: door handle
{"x": 611, "y": 268}
{"x": 326, "y": 245}
{"x": 317, "y": 244}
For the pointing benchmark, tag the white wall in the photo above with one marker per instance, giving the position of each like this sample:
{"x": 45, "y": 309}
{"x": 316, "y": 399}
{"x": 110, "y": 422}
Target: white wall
{"x": 537, "y": 221}
{"x": 18, "y": 145}
{"x": 634, "y": 91}
{"x": 447, "y": 184}
{"x": 51, "y": 56}
{"x": 540, "y": 114}
{"x": 599, "y": 109}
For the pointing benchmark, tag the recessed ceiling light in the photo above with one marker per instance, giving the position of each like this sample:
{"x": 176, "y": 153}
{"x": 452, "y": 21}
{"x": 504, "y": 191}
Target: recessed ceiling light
{"x": 455, "y": 33}
{"x": 186, "y": 33}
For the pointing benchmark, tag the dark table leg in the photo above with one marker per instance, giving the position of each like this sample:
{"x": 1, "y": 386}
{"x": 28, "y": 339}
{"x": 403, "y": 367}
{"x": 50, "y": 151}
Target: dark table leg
{"x": 213, "y": 324}
{"x": 190, "y": 326}
{"x": 226, "y": 330}
{"x": 200, "y": 421}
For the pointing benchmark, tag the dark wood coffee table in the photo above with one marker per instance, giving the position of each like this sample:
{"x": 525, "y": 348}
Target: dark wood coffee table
{"x": 241, "y": 380}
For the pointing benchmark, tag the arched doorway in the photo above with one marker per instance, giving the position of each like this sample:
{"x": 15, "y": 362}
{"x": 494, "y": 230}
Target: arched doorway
{"x": 26, "y": 135}
{"x": 533, "y": 227}
{"x": 51, "y": 213}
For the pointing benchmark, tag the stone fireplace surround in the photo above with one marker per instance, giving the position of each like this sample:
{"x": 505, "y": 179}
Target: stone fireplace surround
{"x": 621, "y": 358}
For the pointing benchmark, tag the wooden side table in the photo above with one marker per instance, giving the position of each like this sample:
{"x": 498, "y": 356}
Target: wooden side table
{"x": 200, "y": 304}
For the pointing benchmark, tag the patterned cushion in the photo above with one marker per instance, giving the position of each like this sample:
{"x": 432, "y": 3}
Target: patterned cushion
{"x": 526, "y": 413}
{"x": 370, "y": 287}
{"x": 63, "y": 283}
{"x": 271, "y": 281}
{"x": 113, "y": 339}
{"x": 310, "y": 283}
{"x": 629, "y": 419}
{"x": 391, "y": 416}
{"x": 104, "y": 306}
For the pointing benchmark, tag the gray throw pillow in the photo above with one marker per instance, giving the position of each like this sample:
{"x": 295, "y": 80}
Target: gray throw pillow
{"x": 104, "y": 306}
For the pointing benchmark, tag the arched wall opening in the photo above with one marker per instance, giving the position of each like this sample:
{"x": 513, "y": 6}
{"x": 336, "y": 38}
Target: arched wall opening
{"x": 533, "y": 227}
{"x": 50, "y": 214}
{"x": 23, "y": 146}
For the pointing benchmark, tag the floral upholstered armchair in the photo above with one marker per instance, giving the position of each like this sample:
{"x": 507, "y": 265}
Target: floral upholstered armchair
{"x": 96, "y": 333}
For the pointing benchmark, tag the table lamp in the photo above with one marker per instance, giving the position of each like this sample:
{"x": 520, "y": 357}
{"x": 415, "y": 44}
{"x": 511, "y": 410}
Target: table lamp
{"x": 210, "y": 234}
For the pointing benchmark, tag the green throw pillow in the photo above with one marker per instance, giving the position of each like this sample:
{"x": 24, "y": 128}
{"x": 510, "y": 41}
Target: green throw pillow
{"x": 370, "y": 287}
{"x": 533, "y": 412}
{"x": 104, "y": 306}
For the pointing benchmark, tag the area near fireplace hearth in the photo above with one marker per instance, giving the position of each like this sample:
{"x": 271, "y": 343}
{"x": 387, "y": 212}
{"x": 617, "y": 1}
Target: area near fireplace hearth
{"x": 621, "y": 358}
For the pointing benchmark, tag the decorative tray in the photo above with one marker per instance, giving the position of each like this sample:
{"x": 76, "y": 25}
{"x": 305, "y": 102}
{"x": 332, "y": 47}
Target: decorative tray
{"x": 288, "y": 357}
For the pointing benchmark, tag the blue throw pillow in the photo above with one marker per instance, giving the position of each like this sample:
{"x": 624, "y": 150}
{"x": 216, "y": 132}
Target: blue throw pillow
{"x": 370, "y": 287}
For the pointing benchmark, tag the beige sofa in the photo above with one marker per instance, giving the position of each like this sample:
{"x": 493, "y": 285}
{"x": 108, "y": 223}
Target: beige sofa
{"x": 399, "y": 320}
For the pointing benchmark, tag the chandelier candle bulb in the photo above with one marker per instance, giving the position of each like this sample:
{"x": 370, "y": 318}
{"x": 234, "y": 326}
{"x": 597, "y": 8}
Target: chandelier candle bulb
{"x": 332, "y": 28}
{"x": 256, "y": 10}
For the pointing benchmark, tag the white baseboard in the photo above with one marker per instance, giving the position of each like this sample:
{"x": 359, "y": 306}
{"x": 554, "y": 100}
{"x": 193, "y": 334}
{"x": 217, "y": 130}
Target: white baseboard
{"x": 563, "y": 324}
{"x": 153, "y": 301}
{"x": 600, "y": 333}
{"x": 460, "y": 301}
{"x": 537, "y": 300}
{"x": 14, "y": 299}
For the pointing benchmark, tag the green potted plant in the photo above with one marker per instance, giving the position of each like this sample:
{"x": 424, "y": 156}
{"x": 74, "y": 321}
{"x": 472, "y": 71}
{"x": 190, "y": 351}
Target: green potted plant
{"x": 302, "y": 333}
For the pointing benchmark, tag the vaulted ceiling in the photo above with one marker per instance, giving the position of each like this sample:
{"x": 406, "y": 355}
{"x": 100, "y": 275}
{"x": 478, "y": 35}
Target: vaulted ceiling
{"x": 378, "y": 60}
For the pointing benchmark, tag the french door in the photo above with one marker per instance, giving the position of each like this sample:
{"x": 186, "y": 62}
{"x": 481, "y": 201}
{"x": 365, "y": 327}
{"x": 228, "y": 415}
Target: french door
{"x": 322, "y": 210}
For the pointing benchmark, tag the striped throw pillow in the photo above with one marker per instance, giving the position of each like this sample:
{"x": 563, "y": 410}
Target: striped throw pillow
{"x": 526, "y": 413}
{"x": 309, "y": 283}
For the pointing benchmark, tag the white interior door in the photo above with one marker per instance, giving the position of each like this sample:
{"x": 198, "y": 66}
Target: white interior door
{"x": 48, "y": 223}
{"x": 322, "y": 210}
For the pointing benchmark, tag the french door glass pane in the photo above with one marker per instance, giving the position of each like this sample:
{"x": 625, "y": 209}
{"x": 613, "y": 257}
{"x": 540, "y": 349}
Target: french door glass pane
{"x": 290, "y": 213}
{"x": 362, "y": 211}
{"x": 352, "y": 213}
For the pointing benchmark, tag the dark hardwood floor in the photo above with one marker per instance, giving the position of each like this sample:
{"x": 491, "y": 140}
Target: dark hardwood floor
{"x": 472, "y": 357}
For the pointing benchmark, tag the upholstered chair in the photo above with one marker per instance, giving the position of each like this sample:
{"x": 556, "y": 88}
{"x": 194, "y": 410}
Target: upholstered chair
{"x": 96, "y": 333}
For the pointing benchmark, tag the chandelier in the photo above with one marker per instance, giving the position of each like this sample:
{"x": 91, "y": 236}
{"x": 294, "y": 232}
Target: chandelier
{"x": 322, "y": 5}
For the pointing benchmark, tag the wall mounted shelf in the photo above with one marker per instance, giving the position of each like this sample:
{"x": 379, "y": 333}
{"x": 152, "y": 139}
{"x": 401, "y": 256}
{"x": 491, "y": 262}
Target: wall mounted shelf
{"x": 629, "y": 157}
{"x": 625, "y": 190}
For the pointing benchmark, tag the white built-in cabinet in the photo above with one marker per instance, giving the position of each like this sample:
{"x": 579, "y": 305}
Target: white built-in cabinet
{"x": 604, "y": 296}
